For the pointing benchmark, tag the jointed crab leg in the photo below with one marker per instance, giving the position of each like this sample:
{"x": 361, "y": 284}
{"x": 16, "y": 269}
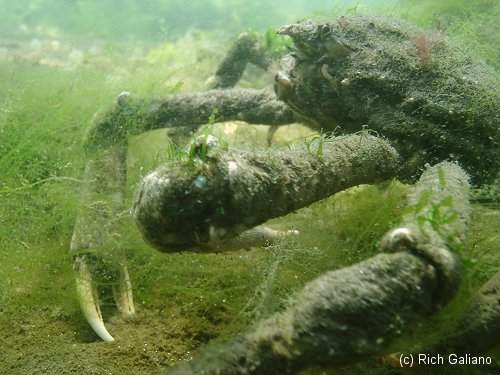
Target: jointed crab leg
{"x": 237, "y": 191}
{"x": 438, "y": 214}
{"x": 247, "y": 49}
{"x": 353, "y": 313}
{"x": 97, "y": 226}
{"x": 106, "y": 144}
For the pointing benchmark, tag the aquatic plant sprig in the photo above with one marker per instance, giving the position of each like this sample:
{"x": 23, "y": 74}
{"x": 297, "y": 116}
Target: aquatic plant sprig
{"x": 435, "y": 224}
{"x": 40, "y": 182}
{"x": 440, "y": 212}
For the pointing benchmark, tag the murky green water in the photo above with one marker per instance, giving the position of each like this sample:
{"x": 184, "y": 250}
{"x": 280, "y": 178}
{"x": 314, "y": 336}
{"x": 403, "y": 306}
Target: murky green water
{"x": 61, "y": 62}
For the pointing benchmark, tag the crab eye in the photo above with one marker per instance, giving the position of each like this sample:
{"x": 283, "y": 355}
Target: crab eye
{"x": 284, "y": 87}
{"x": 326, "y": 30}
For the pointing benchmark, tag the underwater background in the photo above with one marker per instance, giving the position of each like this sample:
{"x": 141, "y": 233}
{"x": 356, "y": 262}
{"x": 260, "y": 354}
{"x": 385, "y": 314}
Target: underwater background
{"x": 61, "y": 61}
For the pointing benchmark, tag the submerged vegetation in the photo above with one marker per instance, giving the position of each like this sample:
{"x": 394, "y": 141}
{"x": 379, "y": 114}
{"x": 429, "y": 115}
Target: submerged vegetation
{"x": 57, "y": 68}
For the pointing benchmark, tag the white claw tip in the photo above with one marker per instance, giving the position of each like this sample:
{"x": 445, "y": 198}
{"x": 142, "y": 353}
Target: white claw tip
{"x": 100, "y": 329}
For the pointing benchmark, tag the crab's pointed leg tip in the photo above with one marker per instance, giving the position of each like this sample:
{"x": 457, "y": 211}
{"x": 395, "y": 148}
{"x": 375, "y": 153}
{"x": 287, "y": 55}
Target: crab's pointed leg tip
{"x": 123, "y": 293}
{"x": 87, "y": 297}
{"x": 99, "y": 328}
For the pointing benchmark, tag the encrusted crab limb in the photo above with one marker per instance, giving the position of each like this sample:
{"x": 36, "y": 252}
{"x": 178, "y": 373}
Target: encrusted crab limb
{"x": 131, "y": 115}
{"x": 106, "y": 145}
{"x": 478, "y": 328}
{"x": 97, "y": 225}
{"x": 351, "y": 314}
{"x": 258, "y": 236}
{"x": 220, "y": 194}
{"x": 246, "y": 49}
{"x": 438, "y": 218}
{"x": 341, "y": 317}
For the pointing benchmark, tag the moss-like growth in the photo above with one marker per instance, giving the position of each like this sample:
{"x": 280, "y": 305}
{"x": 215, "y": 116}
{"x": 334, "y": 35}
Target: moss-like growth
{"x": 180, "y": 207}
{"x": 130, "y": 115}
{"x": 350, "y": 314}
{"x": 417, "y": 87}
{"x": 341, "y": 317}
{"x": 184, "y": 300}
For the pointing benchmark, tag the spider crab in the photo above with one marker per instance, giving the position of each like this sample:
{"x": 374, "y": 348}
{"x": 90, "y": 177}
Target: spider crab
{"x": 427, "y": 101}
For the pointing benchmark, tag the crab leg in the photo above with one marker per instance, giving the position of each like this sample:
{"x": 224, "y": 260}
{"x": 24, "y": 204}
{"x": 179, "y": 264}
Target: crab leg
{"x": 106, "y": 143}
{"x": 97, "y": 226}
{"x": 122, "y": 292}
{"x": 478, "y": 328}
{"x": 237, "y": 191}
{"x": 353, "y": 313}
{"x": 131, "y": 115}
{"x": 246, "y": 49}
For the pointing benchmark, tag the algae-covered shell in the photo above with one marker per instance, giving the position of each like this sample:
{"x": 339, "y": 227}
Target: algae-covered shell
{"x": 432, "y": 98}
